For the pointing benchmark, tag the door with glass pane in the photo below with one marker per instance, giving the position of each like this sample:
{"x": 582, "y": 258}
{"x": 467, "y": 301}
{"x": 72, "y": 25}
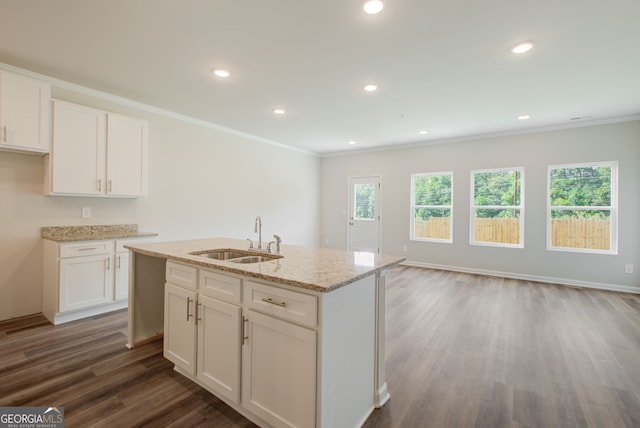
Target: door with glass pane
{"x": 364, "y": 214}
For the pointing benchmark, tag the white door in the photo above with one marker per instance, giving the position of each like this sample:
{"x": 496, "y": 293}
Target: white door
{"x": 122, "y": 276}
{"x": 180, "y": 328}
{"x": 24, "y": 118}
{"x": 85, "y": 282}
{"x": 78, "y": 149}
{"x": 126, "y": 155}
{"x": 218, "y": 360}
{"x": 279, "y": 371}
{"x": 364, "y": 214}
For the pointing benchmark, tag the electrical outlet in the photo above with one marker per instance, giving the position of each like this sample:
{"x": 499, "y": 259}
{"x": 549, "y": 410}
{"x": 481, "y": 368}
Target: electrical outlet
{"x": 326, "y": 241}
{"x": 86, "y": 212}
{"x": 628, "y": 268}
{"x": 404, "y": 248}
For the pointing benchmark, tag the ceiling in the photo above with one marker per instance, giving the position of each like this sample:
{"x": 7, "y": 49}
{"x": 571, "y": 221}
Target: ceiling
{"x": 443, "y": 66}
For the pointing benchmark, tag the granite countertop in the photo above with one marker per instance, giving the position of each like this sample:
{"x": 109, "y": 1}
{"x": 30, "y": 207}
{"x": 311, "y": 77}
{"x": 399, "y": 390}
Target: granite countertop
{"x": 312, "y": 268}
{"x": 91, "y": 233}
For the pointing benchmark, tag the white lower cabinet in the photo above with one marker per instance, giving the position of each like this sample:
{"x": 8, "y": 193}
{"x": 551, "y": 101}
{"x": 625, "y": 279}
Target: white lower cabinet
{"x": 85, "y": 278}
{"x": 219, "y": 337}
{"x": 180, "y": 327}
{"x": 212, "y": 337}
{"x": 86, "y": 281}
{"x": 279, "y": 371}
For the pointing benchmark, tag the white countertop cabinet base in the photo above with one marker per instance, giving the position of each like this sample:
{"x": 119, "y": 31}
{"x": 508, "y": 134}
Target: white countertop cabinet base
{"x": 281, "y": 357}
{"x": 84, "y": 278}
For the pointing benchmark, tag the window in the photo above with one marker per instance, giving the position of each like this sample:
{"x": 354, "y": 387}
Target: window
{"x": 497, "y": 215}
{"x": 431, "y": 196}
{"x": 364, "y": 201}
{"x": 582, "y": 207}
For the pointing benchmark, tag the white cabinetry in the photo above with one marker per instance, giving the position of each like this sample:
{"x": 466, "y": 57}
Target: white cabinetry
{"x": 86, "y": 275}
{"x": 279, "y": 371}
{"x": 209, "y": 340}
{"x": 96, "y": 153}
{"x": 84, "y": 278}
{"x": 24, "y": 114}
{"x": 202, "y": 332}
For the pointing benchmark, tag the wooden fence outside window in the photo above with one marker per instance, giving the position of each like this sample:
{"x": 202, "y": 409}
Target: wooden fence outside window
{"x": 568, "y": 233}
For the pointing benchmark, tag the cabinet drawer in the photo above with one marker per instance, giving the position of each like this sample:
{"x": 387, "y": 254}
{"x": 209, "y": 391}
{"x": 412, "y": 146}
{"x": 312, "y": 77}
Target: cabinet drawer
{"x": 86, "y": 248}
{"x": 183, "y": 275}
{"x": 281, "y": 303}
{"x": 223, "y": 287}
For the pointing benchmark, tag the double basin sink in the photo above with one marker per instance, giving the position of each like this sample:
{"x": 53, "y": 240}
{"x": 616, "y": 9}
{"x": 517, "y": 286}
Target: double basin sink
{"x": 236, "y": 256}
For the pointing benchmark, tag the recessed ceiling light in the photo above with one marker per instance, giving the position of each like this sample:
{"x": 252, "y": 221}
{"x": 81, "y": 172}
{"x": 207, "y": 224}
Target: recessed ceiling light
{"x": 353, "y": 143}
{"x": 370, "y": 87}
{"x": 524, "y": 117}
{"x": 522, "y": 47}
{"x": 279, "y": 111}
{"x": 423, "y": 132}
{"x": 373, "y": 6}
{"x": 220, "y": 72}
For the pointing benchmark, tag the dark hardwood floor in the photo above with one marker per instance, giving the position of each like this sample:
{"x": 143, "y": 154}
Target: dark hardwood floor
{"x": 462, "y": 351}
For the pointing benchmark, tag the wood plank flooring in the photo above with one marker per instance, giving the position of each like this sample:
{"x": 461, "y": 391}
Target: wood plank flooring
{"x": 462, "y": 351}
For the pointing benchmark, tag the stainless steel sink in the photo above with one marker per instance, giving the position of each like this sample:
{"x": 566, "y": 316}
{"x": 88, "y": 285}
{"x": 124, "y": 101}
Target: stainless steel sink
{"x": 235, "y": 256}
{"x": 253, "y": 259}
{"x": 221, "y": 254}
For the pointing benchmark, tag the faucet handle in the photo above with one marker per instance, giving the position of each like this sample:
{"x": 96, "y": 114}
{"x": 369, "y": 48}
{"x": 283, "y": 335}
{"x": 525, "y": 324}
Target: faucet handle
{"x": 278, "y": 241}
{"x": 250, "y": 243}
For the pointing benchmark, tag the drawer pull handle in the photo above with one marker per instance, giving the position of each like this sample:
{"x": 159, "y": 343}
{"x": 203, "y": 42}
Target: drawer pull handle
{"x": 189, "y": 300}
{"x": 87, "y": 249}
{"x": 274, "y": 302}
{"x": 245, "y": 333}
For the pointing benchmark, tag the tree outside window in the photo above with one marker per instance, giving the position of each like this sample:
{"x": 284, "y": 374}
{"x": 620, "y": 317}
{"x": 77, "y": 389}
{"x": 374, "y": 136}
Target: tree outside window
{"x": 497, "y": 207}
{"x": 582, "y": 207}
{"x": 431, "y": 199}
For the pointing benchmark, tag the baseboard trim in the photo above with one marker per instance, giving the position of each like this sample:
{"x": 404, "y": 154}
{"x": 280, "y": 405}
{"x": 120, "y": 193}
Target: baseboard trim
{"x": 537, "y": 278}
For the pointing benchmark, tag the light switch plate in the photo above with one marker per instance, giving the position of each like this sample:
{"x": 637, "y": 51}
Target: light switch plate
{"x": 86, "y": 212}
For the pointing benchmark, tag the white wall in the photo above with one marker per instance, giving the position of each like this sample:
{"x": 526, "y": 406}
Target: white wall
{"x": 534, "y": 151}
{"x": 202, "y": 183}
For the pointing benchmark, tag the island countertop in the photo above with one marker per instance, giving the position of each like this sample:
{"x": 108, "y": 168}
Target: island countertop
{"x": 312, "y": 268}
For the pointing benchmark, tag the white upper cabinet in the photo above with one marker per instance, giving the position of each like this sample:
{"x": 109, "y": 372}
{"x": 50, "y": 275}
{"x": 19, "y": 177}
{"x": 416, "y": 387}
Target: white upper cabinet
{"x": 96, "y": 153}
{"x": 24, "y": 114}
{"x": 77, "y": 164}
{"x": 126, "y": 156}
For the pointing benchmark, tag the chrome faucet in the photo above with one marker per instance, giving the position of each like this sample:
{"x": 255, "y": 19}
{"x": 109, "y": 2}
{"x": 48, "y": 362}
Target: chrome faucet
{"x": 258, "y": 229}
{"x": 277, "y": 242}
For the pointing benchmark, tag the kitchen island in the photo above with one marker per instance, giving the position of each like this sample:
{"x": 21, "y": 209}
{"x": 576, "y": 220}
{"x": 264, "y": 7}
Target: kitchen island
{"x": 296, "y": 340}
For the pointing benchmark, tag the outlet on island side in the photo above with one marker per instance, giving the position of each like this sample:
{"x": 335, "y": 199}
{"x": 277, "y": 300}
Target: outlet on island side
{"x": 628, "y": 268}
{"x": 86, "y": 212}
{"x": 404, "y": 248}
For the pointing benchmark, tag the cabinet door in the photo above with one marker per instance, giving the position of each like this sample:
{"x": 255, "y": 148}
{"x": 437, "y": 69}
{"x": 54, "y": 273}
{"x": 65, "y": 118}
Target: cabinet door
{"x": 126, "y": 156}
{"x": 78, "y": 150}
{"x": 122, "y": 276}
{"x": 279, "y": 371}
{"x": 219, "y": 347}
{"x": 180, "y": 327}
{"x": 24, "y": 113}
{"x": 86, "y": 281}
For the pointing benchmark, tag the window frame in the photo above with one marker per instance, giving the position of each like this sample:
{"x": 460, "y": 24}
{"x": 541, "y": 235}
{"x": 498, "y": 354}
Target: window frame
{"x": 412, "y": 236}
{"x": 613, "y": 208}
{"x": 473, "y": 208}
